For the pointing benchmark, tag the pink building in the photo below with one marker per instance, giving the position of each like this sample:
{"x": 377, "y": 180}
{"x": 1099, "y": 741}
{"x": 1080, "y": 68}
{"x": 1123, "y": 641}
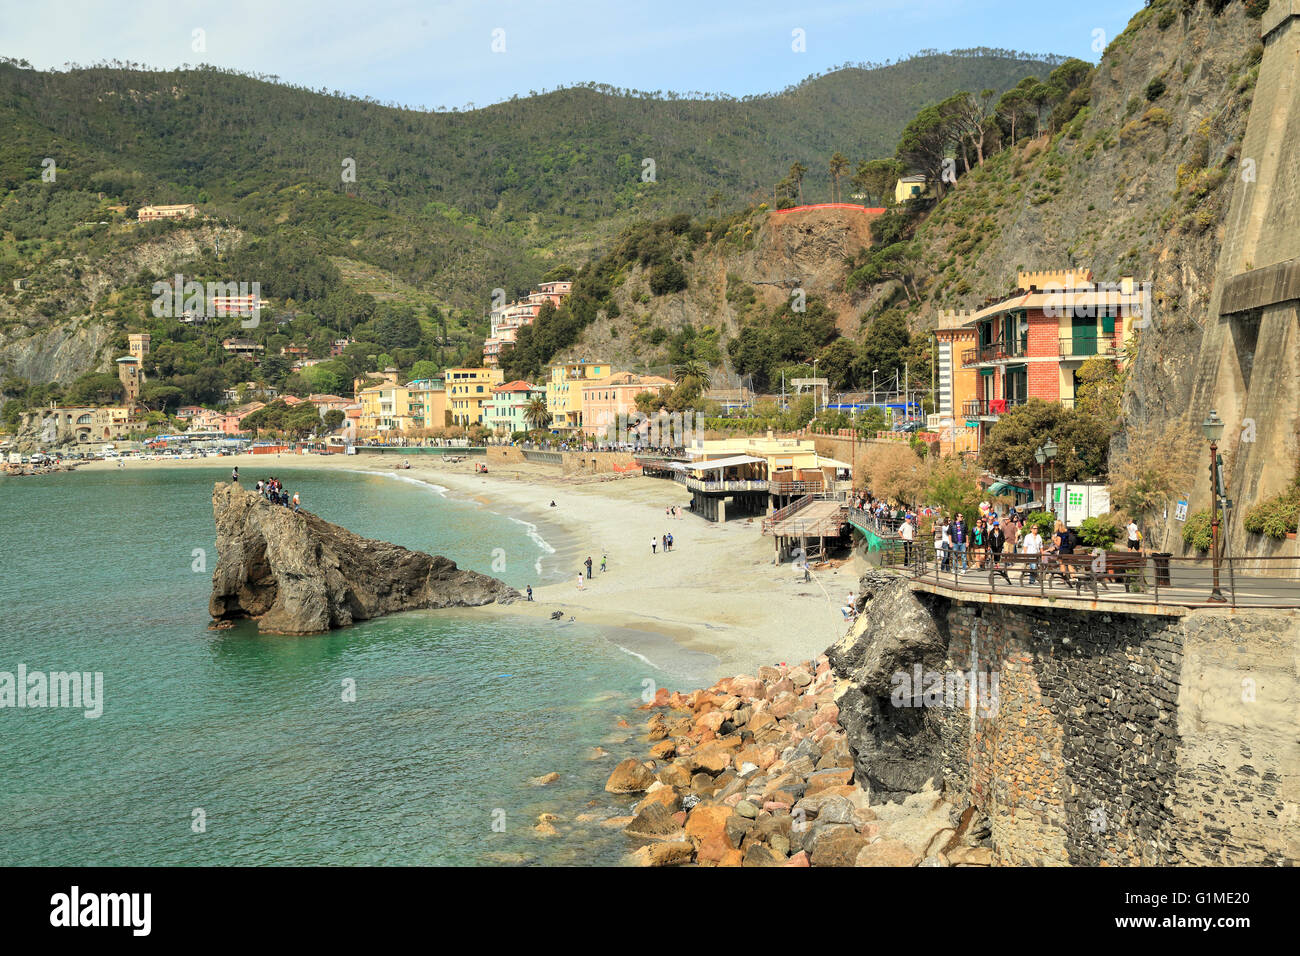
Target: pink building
{"x": 605, "y": 399}
{"x": 507, "y": 320}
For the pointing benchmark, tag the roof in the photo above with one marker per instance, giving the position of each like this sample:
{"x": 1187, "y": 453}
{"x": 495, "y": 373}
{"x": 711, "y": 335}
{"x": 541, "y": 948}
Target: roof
{"x": 726, "y": 462}
{"x": 518, "y": 385}
{"x": 823, "y": 461}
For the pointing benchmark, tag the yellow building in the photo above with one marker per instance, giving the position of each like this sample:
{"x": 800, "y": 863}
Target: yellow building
{"x": 958, "y": 384}
{"x": 427, "y": 402}
{"x": 385, "y": 408}
{"x": 912, "y": 187}
{"x": 564, "y": 392}
{"x": 467, "y": 390}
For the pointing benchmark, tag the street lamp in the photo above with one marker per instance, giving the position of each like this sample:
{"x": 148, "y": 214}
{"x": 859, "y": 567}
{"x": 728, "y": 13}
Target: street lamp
{"x": 1041, "y": 457}
{"x": 1049, "y": 452}
{"x": 1212, "y": 427}
{"x": 873, "y": 385}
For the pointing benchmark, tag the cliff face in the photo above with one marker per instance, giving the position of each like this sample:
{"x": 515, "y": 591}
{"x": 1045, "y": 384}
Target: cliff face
{"x": 298, "y": 574}
{"x": 1090, "y": 738}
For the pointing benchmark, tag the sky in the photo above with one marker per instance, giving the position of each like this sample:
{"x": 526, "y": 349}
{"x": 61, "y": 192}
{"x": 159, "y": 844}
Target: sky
{"x": 451, "y": 53}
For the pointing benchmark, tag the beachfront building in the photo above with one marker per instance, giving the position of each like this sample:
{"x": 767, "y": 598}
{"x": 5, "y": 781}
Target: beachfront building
{"x": 507, "y": 319}
{"x": 604, "y": 400}
{"x": 957, "y": 386}
{"x": 371, "y": 379}
{"x": 1032, "y": 343}
{"x": 467, "y": 391}
{"x": 82, "y": 424}
{"x": 178, "y": 211}
{"x": 564, "y": 392}
{"x": 506, "y": 411}
{"x": 427, "y": 402}
{"x": 755, "y": 475}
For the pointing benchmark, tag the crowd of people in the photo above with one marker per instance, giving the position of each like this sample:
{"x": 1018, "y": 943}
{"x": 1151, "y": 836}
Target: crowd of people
{"x": 273, "y": 491}
{"x": 980, "y": 545}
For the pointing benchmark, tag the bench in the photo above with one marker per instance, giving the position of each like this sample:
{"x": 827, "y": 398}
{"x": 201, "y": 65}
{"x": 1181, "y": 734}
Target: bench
{"x": 1024, "y": 564}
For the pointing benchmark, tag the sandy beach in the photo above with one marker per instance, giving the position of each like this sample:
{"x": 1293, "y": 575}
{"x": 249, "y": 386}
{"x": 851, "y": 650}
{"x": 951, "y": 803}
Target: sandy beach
{"x": 716, "y": 592}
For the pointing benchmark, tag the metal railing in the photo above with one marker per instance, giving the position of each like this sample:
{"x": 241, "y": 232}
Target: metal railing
{"x": 984, "y": 407}
{"x": 794, "y": 487}
{"x": 1089, "y": 576}
{"x": 995, "y": 351}
{"x": 1087, "y": 345}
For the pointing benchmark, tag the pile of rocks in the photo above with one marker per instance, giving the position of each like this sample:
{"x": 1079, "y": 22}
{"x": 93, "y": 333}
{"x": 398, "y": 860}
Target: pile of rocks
{"x": 757, "y": 771}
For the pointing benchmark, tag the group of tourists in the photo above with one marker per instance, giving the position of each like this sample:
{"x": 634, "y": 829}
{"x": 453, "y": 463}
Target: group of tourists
{"x": 273, "y": 491}
{"x": 665, "y": 541}
{"x": 588, "y": 564}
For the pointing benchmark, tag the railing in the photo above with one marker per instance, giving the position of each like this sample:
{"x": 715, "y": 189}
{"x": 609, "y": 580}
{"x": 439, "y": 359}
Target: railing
{"x": 995, "y": 352}
{"x": 721, "y": 484}
{"x": 1086, "y": 345}
{"x": 780, "y": 514}
{"x": 794, "y": 487}
{"x": 545, "y": 457}
{"x": 1121, "y": 577}
{"x": 987, "y": 407}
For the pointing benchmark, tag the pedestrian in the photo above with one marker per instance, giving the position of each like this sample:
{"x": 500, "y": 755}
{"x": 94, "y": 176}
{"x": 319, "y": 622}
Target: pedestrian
{"x": 603, "y": 559}
{"x": 997, "y": 541}
{"x": 295, "y": 501}
{"x": 1032, "y": 544}
{"x": 907, "y": 533}
{"x": 588, "y": 564}
{"x": 654, "y": 543}
{"x": 1134, "y": 536}
{"x": 234, "y": 475}
{"x": 580, "y": 586}
{"x": 670, "y": 540}
{"x": 664, "y": 541}
{"x": 959, "y": 535}
{"x": 807, "y": 575}
{"x": 529, "y": 590}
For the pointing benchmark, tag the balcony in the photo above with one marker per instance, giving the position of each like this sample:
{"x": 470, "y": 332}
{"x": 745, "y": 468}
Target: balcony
{"x": 1086, "y": 346}
{"x": 996, "y": 352}
{"x": 988, "y": 407}
{"x": 794, "y": 487}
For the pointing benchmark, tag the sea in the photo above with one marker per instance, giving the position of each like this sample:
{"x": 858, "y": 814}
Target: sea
{"x": 410, "y": 739}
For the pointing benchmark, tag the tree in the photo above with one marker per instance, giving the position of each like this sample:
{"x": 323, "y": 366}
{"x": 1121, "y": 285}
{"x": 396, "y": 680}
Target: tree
{"x": 875, "y": 178}
{"x": 95, "y": 388}
{"x": 425, "y": 369}
{"x": 839, "y": 163}
{"x": 1009, "y": 448}
{"x": 838, "y": 363}
{"x": 536, "y": 412}
{"x": 895, "y": 473}
{"x": 797, "y": 172}
{"x": 694, "y": 369}
{"x": 952, "y": 487}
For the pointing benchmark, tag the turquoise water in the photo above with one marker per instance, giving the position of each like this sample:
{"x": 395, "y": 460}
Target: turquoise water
{"x": 452, "y": 714}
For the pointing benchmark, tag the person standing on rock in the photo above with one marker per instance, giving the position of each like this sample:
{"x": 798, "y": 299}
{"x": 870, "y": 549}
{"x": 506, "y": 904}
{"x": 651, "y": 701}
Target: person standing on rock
{"x": 588, "y": 564}
{"x": 234, "y": 475}
{"x": 295, "y": 502}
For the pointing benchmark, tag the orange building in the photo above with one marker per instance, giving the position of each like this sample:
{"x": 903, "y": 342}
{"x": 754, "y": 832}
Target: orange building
{"x": 605, "y": 399}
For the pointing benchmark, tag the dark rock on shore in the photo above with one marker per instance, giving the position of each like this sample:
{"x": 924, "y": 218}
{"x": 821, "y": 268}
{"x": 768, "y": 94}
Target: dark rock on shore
{"x": 295, "y": 573}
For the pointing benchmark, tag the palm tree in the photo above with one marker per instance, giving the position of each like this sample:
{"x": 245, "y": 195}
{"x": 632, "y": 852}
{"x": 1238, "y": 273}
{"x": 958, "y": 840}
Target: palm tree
{"x": 536, "y": 413}
{"x": 693, "y": 368}
{"x": 839, "y": 163}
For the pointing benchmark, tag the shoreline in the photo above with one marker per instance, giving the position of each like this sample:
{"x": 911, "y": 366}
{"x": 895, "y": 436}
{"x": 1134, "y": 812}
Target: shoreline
{"x": 717, "y": 592}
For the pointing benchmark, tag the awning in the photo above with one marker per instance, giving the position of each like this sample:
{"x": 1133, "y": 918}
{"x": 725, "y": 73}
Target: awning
{"x": 1005, "y": 487}
{"x": 824, "y": 462}
{"x": 725, "y": 462}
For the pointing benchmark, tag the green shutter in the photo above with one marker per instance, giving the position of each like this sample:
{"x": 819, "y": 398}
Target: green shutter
{"x": 1108, "y": 324}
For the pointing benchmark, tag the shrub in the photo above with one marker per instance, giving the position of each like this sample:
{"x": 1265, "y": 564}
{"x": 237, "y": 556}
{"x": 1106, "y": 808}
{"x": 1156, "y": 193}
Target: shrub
{"x": 1155, "y": 89}
{"x": 1099, "y": 532}
{"x": 1044, "y": 521}
{"x": 1277, "y": 517}
{"x": 1197, "y": 532}
{"x": 1167, "y": 18}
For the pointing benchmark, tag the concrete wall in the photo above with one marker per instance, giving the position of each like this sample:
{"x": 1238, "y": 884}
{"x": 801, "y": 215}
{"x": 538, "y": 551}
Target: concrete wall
{"x": 1123, "y": 739}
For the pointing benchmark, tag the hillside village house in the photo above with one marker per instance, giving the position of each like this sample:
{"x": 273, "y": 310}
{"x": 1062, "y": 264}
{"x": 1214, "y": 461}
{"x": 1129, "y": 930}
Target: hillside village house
{"x": 245, "y": 347}
{"x": 1032, "y": 343}
{"x": 912, "y": 187}
{"x": 564, "y": 392}
{"x": 467, "y": 390}
{"x": 507, "y": 319}
{"x": 605, "y": 399}
{"x": 179, "y": 211}
{"x": 505, "y": 412}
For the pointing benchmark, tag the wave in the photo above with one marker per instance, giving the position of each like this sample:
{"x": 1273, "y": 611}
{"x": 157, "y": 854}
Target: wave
{"x": 439, "y": 490}
{"x": 640, "y": 657}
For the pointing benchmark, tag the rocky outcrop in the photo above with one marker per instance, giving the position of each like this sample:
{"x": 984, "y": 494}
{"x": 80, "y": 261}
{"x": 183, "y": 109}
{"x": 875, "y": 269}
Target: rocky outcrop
{"x": 896, "y": 749}
{"x": 295, "y": 573}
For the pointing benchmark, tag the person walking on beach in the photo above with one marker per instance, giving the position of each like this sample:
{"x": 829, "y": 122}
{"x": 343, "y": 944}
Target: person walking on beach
{"x": 580, "y": 586}
{"x": 529, "y": 592}
{"x": 588, "y": 564}
{"x": 603, "y": 559}
{"x": 654, "y": 543}
{"x": 670, "y": 540}
{"x": 664, "y": 541}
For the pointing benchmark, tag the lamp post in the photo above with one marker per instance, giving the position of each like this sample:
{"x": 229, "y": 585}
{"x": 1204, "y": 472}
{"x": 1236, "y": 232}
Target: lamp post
{"x": 1041, "y": 458}
{"x": 1049, "y": 452}
{"x": 873, "y": 385}
{"x": 1212, "y": 427}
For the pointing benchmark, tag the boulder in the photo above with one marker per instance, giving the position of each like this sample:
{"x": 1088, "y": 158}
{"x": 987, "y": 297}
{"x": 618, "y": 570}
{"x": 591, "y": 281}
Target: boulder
{"x": 544, "y": 779}
{"x": 662, "y": 854}
{"x": 706, "y": 826}
{"x": 886, "y": 853}
{"x": 295, "y": 573}
{"x": 630, "y": 776}
{"x": 836, "y": 845}
{"x": 654, "y": 822}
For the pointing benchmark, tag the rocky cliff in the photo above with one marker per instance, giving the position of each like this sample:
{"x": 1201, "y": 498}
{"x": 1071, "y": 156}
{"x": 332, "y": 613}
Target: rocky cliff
{"x": 1079, "y": 737}
{"x": 295, "y": 573}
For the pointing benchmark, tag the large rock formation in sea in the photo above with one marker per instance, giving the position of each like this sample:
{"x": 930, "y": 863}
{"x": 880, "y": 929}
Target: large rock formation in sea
{"x": 295, "y": 573}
